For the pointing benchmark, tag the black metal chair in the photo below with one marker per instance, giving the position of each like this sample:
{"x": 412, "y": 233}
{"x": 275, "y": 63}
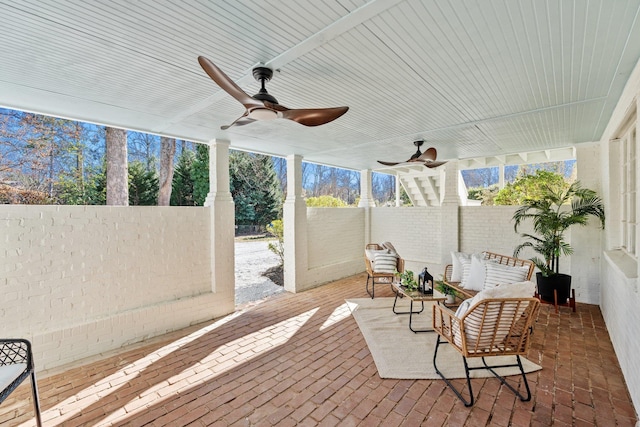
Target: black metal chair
{"x": 16, "y": 364}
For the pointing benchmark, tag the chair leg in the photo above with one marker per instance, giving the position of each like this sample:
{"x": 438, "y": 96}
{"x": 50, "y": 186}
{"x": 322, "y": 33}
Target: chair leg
{"x": 36, "y": 401}
{"x": 504, "y": 381}
{"x": 467, "y": 403}
{"x": 373, "y": 286}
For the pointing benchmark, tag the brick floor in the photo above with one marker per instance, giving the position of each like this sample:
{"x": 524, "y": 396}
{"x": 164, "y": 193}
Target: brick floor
{"x": 301, "y": 360}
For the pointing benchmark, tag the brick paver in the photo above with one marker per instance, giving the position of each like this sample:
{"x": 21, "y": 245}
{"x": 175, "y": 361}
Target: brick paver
{"x": 301, "y": 360}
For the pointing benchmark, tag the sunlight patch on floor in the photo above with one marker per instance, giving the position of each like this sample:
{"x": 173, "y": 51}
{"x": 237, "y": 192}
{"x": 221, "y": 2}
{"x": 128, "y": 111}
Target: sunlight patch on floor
{"x": 237, "y": 352}
{"x": 340, "y": 313}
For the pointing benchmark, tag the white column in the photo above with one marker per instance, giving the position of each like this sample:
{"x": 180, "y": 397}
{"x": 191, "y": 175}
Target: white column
{"x": 220, "y": 202}
{"x": 501, "y": 176}
{"x": 449, "y": 220}
{"x": 398, "y": 187}
{"x": 366, "y": 202}
{"x": 295, "y": 228}
{"x": 366, "y": 194}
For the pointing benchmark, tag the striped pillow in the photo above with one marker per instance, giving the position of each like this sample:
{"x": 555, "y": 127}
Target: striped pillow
{"x": 499, "y": 274}
{"x": 456, "y": 263}
{"x": 384, "y": 263}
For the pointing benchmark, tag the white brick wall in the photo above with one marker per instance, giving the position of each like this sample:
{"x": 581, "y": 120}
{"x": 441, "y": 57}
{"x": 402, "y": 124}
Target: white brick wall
{"x": 335, "y": 239}
{"x": 415, "y": 233}
{"x": 619, "y": 290}
{"x": 79, "y": 280}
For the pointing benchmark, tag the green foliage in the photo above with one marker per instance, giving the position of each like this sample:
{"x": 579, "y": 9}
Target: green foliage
{"x": 407, "y": 279}
{"x": 485, "y": 194}
{"x": 276, "y": 229}
{"x": 404, "y": 197}
{"x": 143, "y": 185}
{"x": 200, "y": 174}
{"x": 182, "y": 184}
{"x": 530, "y": 187}
{"x": 325, "y": 202}
{"x": 443, "y": 288}
{"x": 551, "y": 220}
{"x": 255, "y": 188}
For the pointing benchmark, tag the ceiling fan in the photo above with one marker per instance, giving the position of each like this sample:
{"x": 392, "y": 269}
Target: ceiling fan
{"x": 428, "y": 158}
{"x": 263, "y": 106}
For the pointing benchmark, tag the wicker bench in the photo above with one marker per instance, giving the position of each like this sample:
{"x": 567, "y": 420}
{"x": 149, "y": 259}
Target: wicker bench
{"x": 500, "y": 259}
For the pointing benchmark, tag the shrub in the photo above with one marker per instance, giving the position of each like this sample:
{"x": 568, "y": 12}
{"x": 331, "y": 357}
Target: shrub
{"x": 276, "y": 228}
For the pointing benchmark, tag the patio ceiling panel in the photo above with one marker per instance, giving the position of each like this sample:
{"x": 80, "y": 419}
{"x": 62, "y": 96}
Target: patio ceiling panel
{"x": 472, "y": 78}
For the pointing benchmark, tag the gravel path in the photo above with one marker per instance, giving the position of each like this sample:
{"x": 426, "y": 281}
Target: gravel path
{"x": 252, "y": 259}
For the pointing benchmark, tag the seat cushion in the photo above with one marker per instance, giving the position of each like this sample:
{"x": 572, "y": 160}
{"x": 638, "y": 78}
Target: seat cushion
{"x": 9, "y": 373}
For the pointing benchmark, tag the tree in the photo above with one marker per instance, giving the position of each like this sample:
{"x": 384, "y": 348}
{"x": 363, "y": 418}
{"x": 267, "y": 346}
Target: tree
{"x": 255, "y": 188}
{"x": 143, "y": 185}
{"x": 117, "y": 175}
{"x": 167, "y": 152}
{"x": 143, "y": 147}
{"x": 530, "y": 187}
{"x": 182, "y": 183}
{"x": 200, "y": 174}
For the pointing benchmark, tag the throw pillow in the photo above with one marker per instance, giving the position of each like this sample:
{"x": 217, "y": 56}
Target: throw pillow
{"x": 390, "y": 248}
{"x": 371, "y": 253}
{"x": 456, "y": 263}
{"x": 474, "y": 273}
{"x": 499, "y": 274}
{"x": 384, "y": 263}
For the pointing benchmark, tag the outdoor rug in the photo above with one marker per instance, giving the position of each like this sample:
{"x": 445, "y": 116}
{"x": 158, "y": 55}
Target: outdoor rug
{"x": 401, "y": 354}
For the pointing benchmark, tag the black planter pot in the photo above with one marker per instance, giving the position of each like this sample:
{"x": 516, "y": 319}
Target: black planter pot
{"x": 560, "y": 282}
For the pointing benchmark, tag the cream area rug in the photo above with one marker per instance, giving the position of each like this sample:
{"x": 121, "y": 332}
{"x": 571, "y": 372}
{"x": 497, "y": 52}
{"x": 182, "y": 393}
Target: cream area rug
{"x": 401, "y": 354}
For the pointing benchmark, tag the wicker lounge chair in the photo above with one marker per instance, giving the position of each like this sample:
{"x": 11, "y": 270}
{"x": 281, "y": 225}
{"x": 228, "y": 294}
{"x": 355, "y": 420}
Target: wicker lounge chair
{"x": 16, "y": 364}
{"x": 492, "y": 327}
{"x": 378, "y": 277}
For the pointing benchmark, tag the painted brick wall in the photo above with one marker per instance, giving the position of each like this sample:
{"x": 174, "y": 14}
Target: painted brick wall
{"x": 489, "y": 228}
{"x": 335, "y": 245}
{"x": 415, "y": 233}
{"x": 79, "y": 280}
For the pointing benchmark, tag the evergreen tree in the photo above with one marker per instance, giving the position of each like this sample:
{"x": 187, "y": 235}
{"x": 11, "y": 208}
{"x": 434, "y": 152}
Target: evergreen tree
{"x": 143, "y": 185}
{"x": 200, "y": 174}
{"x": 255, "y": 188}
{"x": 182, "y": 184}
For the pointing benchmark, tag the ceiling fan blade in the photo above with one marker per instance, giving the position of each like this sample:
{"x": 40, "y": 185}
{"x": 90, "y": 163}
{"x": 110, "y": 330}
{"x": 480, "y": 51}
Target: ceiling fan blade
{"x": 388, "y": 163}
{"x": 228, "y": 85}
{"x": 433, "y": 164}
{"x": 313, "y": 116}
{"x": 240, "y": 121}
{"x": 430, "y": 154}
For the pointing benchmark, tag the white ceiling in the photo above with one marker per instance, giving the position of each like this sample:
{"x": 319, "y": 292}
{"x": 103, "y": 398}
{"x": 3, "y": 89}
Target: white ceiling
{"x": 473, "y": 78}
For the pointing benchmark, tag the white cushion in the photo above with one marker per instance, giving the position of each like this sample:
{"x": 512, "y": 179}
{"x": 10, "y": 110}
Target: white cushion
{"x": 474, "y": 273}
{"x": 385, "y": 263}
{"x": 499, "y": 274}
{"x": 511, "y": 290}
{"x": 9, "y": 373}
{"x": 456, "y": 263}
{"x": 389, "y": 247}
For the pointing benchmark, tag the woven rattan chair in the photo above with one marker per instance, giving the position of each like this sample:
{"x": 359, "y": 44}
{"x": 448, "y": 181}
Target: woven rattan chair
{"x": 16, "y": 364}
{"x": 376, "y": 277}
{"x": 492, "y": 327}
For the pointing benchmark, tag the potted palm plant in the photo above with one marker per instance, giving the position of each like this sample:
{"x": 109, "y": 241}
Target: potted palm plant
{"x": 550, "y": 221}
